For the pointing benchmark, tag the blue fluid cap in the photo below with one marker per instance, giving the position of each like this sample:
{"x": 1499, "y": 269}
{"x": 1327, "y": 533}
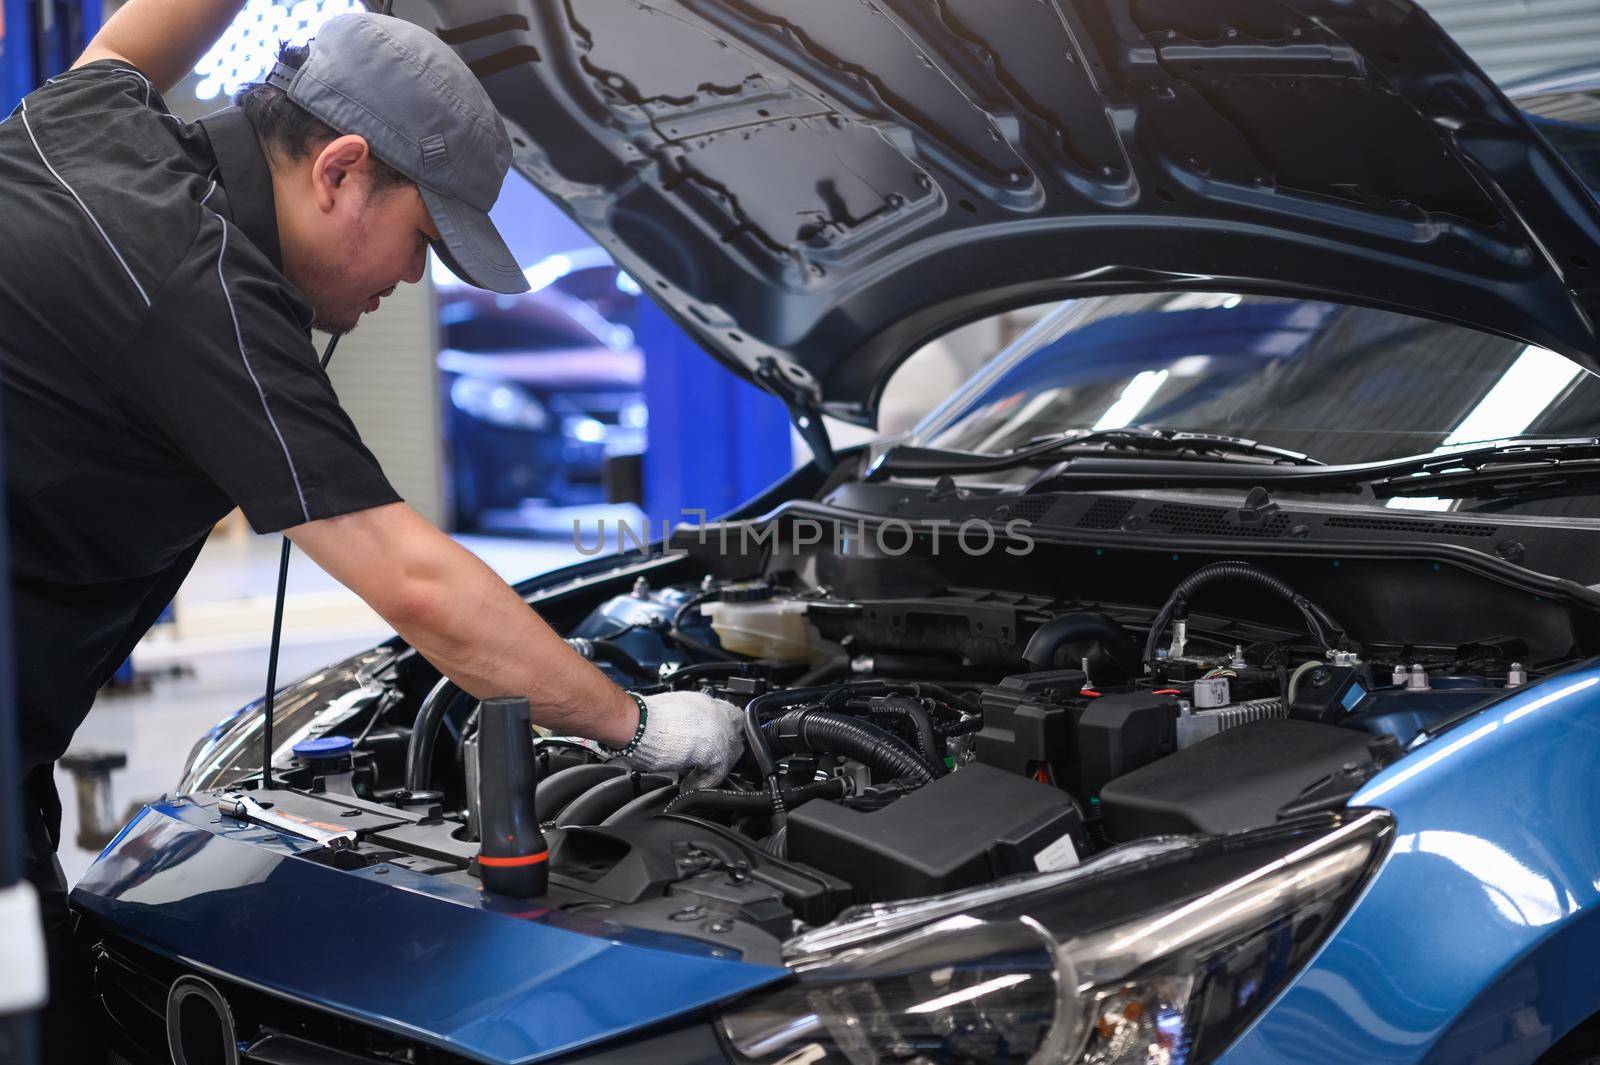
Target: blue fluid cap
{"x": 324, "y": 748}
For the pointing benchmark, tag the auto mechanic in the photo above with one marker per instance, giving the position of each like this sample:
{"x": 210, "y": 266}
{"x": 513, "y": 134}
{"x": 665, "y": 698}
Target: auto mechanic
{"x": 161, "y": 282}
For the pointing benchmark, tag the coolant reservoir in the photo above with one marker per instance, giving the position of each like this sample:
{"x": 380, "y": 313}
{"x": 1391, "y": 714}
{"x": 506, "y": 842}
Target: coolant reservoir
{"x": 749, "y": 620}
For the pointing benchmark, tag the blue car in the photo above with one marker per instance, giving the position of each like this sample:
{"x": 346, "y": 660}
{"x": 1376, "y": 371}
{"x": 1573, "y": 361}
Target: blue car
{"x": 539, "y": 390}
{"x": 1213, "y": 678}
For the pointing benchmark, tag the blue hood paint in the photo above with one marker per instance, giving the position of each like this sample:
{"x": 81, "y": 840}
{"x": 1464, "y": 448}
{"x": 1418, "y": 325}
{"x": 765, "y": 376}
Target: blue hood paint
{"x": 415, "y": 955}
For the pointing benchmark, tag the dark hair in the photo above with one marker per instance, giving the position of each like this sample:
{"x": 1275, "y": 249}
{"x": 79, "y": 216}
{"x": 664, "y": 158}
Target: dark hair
{"x": 287, "y": 129}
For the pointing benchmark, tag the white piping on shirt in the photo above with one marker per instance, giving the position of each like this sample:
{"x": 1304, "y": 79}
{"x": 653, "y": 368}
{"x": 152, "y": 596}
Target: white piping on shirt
{"x": 239, "y": 337}
{"x": 148, "y": 88}
{"x": 95, "y": 221}
{"x": 138, "y": 74}
{"x": 209, "y": 191}
{"x": 142, "y": 78}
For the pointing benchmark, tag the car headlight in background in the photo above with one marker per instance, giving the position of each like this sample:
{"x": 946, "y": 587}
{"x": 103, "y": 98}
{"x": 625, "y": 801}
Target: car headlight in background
{"x": 585, "y": 430}
{"x": 498, "y": 403}
{"x": 1157, "y": 953}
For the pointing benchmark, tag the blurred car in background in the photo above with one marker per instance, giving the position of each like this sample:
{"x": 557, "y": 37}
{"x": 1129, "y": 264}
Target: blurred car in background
{"x": 539, "y": 390}
{"x": 590, "y": 275}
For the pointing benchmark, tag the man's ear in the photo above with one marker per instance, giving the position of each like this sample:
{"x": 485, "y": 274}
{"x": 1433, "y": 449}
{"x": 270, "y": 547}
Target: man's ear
{"x": 332, "y": 169}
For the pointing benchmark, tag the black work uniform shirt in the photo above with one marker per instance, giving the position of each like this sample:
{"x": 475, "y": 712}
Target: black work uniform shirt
{"x": 157, "y": 370}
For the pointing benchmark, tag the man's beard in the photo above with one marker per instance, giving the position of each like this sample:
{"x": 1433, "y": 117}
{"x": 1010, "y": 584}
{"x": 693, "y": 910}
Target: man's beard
{"x": 338, "y": 324}
{"x": 314, "y": 278}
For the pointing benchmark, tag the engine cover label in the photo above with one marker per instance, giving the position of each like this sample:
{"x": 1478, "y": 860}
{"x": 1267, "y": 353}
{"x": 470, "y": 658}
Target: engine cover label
{"x": 1062, "y": 854}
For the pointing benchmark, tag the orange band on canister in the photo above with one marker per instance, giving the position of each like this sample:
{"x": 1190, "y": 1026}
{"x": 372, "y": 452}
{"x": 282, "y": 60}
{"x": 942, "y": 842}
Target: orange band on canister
{"x": 526, "y": 859}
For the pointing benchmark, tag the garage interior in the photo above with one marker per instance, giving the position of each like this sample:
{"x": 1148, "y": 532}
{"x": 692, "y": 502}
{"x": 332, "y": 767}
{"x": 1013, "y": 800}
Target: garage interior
{"x": 534, "y": 429}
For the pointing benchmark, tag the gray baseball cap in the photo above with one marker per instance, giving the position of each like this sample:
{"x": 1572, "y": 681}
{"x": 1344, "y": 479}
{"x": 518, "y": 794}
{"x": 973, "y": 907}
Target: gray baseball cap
{"x": 424, "y": 113}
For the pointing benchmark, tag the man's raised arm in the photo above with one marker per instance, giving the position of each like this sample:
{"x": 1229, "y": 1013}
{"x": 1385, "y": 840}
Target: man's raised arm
{"x": 163, "y": 38}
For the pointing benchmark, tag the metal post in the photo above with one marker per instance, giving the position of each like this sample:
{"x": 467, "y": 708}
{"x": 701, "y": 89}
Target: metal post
{"x": 38, "y": 39}
{"x": 21, "y": 935}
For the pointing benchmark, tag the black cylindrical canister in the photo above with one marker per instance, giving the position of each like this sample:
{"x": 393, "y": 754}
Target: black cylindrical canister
{"x": 512, "y": 858}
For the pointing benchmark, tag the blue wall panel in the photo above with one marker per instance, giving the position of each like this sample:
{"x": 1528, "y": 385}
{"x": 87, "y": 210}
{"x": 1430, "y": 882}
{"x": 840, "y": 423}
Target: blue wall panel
{"x": 39, "y": 39}
{"x": 715, "y": 440}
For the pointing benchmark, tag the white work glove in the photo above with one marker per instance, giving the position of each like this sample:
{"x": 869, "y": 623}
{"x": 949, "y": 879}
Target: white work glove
{"x": 692, "y": 733}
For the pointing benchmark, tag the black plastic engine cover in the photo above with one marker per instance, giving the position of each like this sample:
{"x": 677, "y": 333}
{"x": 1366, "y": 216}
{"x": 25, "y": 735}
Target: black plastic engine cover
{"x": 1234, "y": 780}
{"x": 967, "y": 828}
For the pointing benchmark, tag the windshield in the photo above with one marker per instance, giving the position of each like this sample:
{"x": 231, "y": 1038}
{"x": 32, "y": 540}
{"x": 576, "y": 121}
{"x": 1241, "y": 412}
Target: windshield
{"x": 1341, "y": 384}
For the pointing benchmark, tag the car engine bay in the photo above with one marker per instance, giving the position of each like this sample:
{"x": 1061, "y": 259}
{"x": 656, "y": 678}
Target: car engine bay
{"x": 918, "y": 723}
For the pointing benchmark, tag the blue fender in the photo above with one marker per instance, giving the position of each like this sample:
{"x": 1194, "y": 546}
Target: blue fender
{"x": 1479, "y": 932}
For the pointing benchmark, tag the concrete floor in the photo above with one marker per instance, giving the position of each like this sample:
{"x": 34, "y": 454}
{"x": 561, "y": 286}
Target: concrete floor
{"x": 224, "y": 621}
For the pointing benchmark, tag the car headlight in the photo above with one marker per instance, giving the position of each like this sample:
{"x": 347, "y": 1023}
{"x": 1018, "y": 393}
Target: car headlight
{"x": 1156, "y": 953}
{"x": 498, "y": 403}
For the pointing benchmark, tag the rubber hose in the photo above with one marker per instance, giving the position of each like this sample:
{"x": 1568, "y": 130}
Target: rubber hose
{"x": 822, "y": 732}
{"x": 609, "y": 653}
{"x": 921, "y": 727}
{"x": 1082, "y": 627}
{"x": 425, "y": 731}
{"x": 833, "y": 669}
{"x": 721, "y": 800}
{"x": 942, "y": 694}
{"x": 783, "y": 698}
{"x": 1294, "y": 680}
{"x": 705, "y": 670}
{"x": 777, "y": 844}
{"x": 959, "y": 728}
{"x": 893, "y": 665}
{"x": 691, "y": 643}
{"x": 1235, "y": 570}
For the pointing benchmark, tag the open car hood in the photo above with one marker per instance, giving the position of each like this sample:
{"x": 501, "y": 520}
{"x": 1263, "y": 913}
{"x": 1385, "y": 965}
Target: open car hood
{"x": 814, "y": 188}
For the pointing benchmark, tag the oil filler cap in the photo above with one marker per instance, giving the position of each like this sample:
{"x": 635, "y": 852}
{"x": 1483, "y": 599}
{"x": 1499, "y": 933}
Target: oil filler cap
{"x": 324, "y": 748}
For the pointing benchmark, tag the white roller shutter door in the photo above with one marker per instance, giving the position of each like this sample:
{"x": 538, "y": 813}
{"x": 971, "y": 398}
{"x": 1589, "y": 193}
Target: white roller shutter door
{"x": 1512, "y": 39}
{"x": 387, "y": 381}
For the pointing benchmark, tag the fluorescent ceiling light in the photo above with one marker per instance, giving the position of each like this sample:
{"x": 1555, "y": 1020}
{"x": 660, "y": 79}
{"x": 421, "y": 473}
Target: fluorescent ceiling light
{"x": 547, "y": 271}
{"x": 249, "y": 46}
{"x": 1534, "y": 381}
{"x": 1136, "y": 395}
{"x": 1523, "y": 393}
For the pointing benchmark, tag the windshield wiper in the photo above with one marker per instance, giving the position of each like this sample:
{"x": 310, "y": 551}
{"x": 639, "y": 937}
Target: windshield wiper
{"x": 1507, "y": 474}
{"x": 1133, "y": 442}
{"x": 1505, "y": 471}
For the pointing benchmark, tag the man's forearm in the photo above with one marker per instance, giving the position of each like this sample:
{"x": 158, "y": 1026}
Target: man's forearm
{"x": 480, "y": 634}
{"x": 163, "y": 38}
{"x": 464, "y": 619}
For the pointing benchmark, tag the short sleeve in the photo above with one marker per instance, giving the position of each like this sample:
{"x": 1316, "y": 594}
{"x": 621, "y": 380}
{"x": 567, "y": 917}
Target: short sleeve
{"x": 226, "y": 372}
{"x": 104, "y": 89}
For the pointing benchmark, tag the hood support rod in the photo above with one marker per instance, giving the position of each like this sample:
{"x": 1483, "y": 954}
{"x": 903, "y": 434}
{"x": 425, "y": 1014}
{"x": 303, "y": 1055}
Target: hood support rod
{"x": 803, "y": 411}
